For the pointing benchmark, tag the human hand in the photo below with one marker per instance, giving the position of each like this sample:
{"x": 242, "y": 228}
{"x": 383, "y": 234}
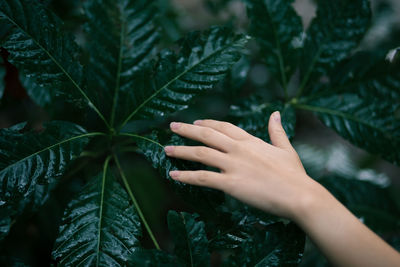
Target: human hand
{"x": 267, "y": 176}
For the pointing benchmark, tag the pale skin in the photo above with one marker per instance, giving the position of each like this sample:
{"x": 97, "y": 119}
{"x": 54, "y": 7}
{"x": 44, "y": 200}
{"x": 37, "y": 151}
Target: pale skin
{"x": 271, "y": 177}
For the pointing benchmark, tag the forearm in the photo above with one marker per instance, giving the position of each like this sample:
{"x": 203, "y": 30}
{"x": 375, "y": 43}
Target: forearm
{"x": 342, "y": 238}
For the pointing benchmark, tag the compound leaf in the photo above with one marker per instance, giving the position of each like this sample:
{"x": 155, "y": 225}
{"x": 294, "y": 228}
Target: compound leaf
{"x": 364, "y": 105}
{"x": 32, "y": 162}
{"x": 367, "y": 123}
{"x": 128, "y": 40}
{"x": 204, "y": 199}
{"x": 42, "y": 50}
{"x": 277, "y": 28}
{"x": 191, "y": 244}
{"x": 333, "y": 34}
{"x": 252, "y": 115}
{"x": 203, "y": 60}
{"x": 100, "y": 226}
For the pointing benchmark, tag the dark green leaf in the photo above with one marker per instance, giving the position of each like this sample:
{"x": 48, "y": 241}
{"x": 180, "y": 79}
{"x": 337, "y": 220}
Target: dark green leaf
{"x": 100, "y": 226}
{"x": 373, "y": 204}
{"x": 274, "y": 245}
{"x": 237, "y": 76}
{"x": 202, "y": 61}
{"x": 204, "y": 199}
{"x": 42, "y": 51}
{"x": 128, "y": 40}
{"x": 153, "y": 258}
{"x": 277, "y": 28}
{"x": 253, "y": 116}
{"x": 191, "y": 244}
{"x": 370, "y": 75}
{"x": 368, "y": 122}
{"x": 332, "y": 35}
{"x": 31, "y": 162}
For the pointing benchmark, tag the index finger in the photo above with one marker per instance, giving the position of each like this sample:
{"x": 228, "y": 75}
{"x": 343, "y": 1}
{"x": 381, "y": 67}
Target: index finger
{"x": 202, "y": 134}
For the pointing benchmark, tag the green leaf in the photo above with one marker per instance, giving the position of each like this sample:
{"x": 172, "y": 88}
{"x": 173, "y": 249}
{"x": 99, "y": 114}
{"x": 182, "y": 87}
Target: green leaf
{"x": 153, "y": 258}
{"x": 274, "y": 245}
{"x": 32, "y": 163}
{"x": 277, "y": 28}
{"x": 202, "y": 61}
{"x": 366, "y": 122}
{"x": 100, "y": 226}
{"x": 373, "y": 204}
{"x": 191, "y": 243}
{"x": 128, "y": 41}
{"x": 333, "y": 34}
{"x": 252, "y": 115}
{"x": 370, "y": 75}
{"x": 205, "y": 200}
{"x": 40, "y": 48}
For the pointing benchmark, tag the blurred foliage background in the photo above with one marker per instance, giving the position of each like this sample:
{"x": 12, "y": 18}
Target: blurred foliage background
{"x": 322, "y": 150}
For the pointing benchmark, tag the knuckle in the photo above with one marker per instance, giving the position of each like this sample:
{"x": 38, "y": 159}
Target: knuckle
{"x": 201, "y": 152}
{"x": 202, "y": 178}
{"x": 206, "y": 133}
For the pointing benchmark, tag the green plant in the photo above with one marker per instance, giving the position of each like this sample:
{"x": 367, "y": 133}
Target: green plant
{"x": 122, "y": 80}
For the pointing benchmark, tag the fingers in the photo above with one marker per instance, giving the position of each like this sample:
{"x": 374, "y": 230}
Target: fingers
{"x": 202, "y": 134}
{"x": 201, "y": 154}
{"x": 226, "y": 128}
{"x": 201, "y": 178}
{"x": 276, "y": 132}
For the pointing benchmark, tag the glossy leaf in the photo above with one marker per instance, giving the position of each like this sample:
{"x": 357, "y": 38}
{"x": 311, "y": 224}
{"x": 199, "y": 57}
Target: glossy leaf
{"x": 202, "y": 61}
{"x": 100, "y": 226}
{"x": 278, "y": 30}
{"x": 128, "y": 41}
{"x": 366, "y": 122}
{"x": 204, "y": 199}
{"x": 39, "y": 47}
{"x": 273, "y": 245}
{"x": 373, "y": 204}
{"x": 252, "y": 115}
{"x": 32, "y": 162}
{"x": 333, "y": 34}
{"x": 370, "y": 75}
{"x": 191, "y": 244}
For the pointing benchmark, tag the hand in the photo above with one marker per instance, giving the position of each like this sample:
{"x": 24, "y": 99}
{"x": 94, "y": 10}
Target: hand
{"x": 267, "y": 176}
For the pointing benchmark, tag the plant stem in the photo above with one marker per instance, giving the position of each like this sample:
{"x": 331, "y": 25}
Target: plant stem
{"x": 125, "y": 181}
{"x": 308, "y": 74}
{"x": 105, "y": 167}
{"x": 141, "y": 137}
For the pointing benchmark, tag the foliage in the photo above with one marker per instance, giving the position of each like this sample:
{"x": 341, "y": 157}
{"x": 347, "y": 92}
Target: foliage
{"x": 123, "y": 82}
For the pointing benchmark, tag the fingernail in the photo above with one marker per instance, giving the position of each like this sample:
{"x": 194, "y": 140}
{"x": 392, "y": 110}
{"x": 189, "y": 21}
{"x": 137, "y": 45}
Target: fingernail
{"x": 175, "y": 125}
{"x": 168, "y": 149}
{"x": 174, "y": 174}
{"x": 197, "y": 122}
{"x": 277, "y": 116}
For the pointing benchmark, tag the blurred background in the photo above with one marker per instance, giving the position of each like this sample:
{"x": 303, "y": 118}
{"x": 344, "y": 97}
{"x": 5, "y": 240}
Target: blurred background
{"x": 321, "y": 149}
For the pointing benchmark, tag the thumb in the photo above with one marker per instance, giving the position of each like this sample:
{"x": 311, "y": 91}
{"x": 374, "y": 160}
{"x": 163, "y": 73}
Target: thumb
{"x": 276, "y": 132}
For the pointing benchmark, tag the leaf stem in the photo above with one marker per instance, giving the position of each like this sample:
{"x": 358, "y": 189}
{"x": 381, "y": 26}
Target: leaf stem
{"x": 114, "y": 106}
{"x": 141, "y": 137}
{"x": 106, "y": 162}
{"x": 125, "y": 181}
{"x": 308, "y": 74}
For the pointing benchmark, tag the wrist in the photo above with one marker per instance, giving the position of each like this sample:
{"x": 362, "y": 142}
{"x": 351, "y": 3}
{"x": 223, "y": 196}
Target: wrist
{"x": 311, "y": 201}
